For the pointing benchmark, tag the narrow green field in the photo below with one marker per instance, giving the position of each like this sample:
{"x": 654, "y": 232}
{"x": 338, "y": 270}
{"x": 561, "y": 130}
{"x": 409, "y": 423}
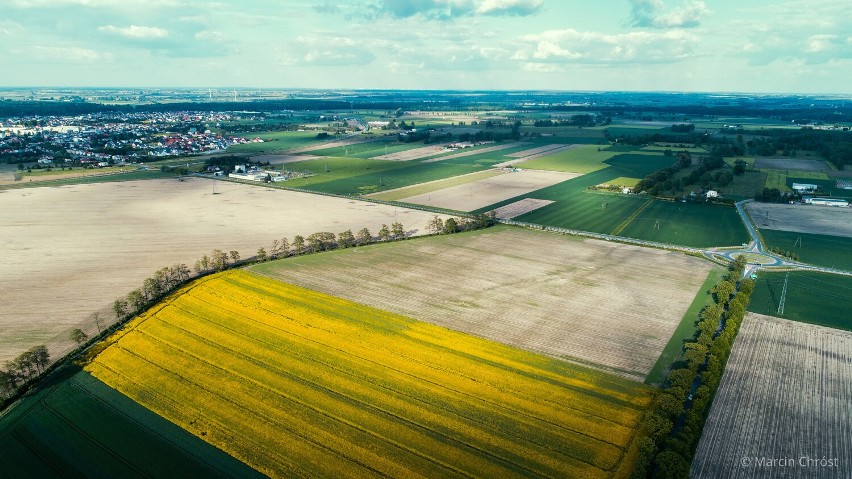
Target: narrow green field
{"x": 685, "y": 330}
{"x": 79, "y": 427}
{"x": 380, "y": 146}
{"x": 278, "y": 140}
{"x": 816, "y": 298}
{"x": 688, "y": 224}
{"x": 584, "y": 159}
{"x": 820, "y": 250}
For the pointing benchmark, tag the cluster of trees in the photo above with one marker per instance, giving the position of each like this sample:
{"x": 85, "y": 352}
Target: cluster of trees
{"x": 710, "y": 172}
{"x": 575, "y": 120}
{"x": 784, "y": 253}
{"x": 834, "y": 146}
{"x": 683, "y": 128}
{"x": 21, "y": 369}
{"x": 774, "y": 195}
{"x": 670, "y": 432}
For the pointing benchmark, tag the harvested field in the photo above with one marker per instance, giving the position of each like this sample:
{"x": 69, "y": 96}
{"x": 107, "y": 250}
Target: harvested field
{"x": 481, "y": 193}
{"x": 270, "y": 373}
{"x": 563, "y": 296}
{"x": 412, "y": 154}
{"x": 520, "y": 207}
{"x": 790, "y": 164}
{"x": 430, "y": 186}
{"x": 824, "y": 220}
{"x": 474, "y": 151}
{"x": 70, "y": 251}
{"x": 784, "y": 395}
{"x": 283, "y": 159}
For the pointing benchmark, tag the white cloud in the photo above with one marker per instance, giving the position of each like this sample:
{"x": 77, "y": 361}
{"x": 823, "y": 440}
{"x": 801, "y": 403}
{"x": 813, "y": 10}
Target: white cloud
{"x": 572, "y": 46}
{"x": 820, "y": 43}
{"x": 68, "y": 54}
{"x": 541, "y": 67}
{"x": 135, "y": 31}
{"x": 653, "y": 14}
{"x": 450, "y": 9}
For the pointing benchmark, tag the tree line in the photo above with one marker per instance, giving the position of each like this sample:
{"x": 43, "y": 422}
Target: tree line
{"x": 670, "y": 432}
{"x": 25, "y": 369}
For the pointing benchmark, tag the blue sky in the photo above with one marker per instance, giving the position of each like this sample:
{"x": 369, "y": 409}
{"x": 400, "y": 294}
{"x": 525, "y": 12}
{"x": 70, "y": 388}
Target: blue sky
{"x": 645, "y": 45}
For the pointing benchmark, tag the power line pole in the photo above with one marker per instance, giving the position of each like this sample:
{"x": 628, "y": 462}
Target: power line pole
{"x": 783, "y": 295}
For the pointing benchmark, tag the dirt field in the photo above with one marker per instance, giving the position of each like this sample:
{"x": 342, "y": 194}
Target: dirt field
{"x": 533, "y": 151}
{"x": 824, "y": 220}
{"x": 785, "y": 394}
{"x": 609, "y": 305}
{"x": 481, "y": 193}
{"x": 412, "y": 154}
{"x": 520, "y": 207}
{"x": 790, "y": 164}
{"x": 283, "y": 159}
{"x": 69, "y": 251}
{"x": 474, "y": 151}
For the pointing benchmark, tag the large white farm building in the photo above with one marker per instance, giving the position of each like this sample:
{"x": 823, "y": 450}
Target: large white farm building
{"x": 804, "y": 187}
{"x": 826, "y": 202}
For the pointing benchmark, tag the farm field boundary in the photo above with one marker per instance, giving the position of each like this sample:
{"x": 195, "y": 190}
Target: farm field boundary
{"x": 527, "y": 288}
{"x": 408, "y": 399}
{"x": 812, "y": 297}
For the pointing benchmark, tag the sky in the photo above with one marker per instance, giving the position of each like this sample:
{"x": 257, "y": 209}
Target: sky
{"x": 761, "y": 46}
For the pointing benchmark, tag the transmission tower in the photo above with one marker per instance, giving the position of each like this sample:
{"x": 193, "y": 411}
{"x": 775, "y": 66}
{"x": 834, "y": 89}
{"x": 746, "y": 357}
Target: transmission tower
{"x": 657, "y": 225}
{"x": 783, "y": 295}
{"x": 798, "y": 242}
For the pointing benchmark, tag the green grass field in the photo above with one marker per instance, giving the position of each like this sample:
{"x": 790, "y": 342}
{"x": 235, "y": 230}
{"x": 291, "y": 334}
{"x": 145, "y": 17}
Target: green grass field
{"x": 689, "y": 224}
{"x": 816, "y": 298}
{"x": 685, "y": 330}
{"x": 278, "y": 140}
{"x": 821, "y": 250}
{"x": 76, "y": 426}
{"x": 584, "y": 159}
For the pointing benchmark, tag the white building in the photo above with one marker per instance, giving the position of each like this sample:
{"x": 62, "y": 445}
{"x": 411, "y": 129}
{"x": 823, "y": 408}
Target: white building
{"x": 826, "y": 202}
{"x": 712, "y": 194}
{"x": 804, "y": 187}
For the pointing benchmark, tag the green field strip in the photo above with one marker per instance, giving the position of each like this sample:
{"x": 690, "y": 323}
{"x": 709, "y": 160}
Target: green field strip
{"x": 630, "y": 218}
{"x": 812, "y": 297}
{"x": 816, "y": 249}
{"x": 685, "y": 330}
{"x": 81, "y": 427}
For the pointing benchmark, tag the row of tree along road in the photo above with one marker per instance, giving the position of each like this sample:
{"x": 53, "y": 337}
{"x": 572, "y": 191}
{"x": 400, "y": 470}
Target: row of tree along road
{"x": 22, "y": 373}
{"x": 671, "y": 430}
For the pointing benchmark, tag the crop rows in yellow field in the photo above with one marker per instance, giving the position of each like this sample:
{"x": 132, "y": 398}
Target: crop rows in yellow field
{"x": 299, "y": 383}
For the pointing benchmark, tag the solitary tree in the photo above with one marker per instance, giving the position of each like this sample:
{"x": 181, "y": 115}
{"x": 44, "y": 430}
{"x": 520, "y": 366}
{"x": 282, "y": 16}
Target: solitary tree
{"x": 364, "y": 237}
{"x": 346, "y": 239}
{"x": 397, "y": 230}
{"x": 136, "y": 300}
{"x": 78, "y": 336}
{"x": 435, "y": 225}
{"x": 285, "y": 247}
{"x": 235, "y": 256}
{"x": 96, "y": 318}
{"x": 450, "y": 226}
{"x": 384, "y": 233}
{"x": 261, "y": 254}
{"x": 298, "y": 244}
{"x": 119, "y": 307}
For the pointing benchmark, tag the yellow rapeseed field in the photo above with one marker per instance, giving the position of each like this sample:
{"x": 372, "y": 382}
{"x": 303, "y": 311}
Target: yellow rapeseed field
{"x": 298, "y": 383}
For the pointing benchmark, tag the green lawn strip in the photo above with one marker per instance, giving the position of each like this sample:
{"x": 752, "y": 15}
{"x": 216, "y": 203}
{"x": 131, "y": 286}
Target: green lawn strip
{"x": 584, "y": 159}
{"x": 436, "y": 185}
{"x": 278, "y": 140}
{"x": 77, "y": 426}
{"x": 688, "y": 224}
{"x": 685, "y": 330}
{"x": 812, "y": 297}
{"x": 820, "y": 250}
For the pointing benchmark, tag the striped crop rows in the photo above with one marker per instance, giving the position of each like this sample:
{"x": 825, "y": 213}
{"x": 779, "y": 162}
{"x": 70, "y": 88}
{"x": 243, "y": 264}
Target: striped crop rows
{"x": 298, "y": 383}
